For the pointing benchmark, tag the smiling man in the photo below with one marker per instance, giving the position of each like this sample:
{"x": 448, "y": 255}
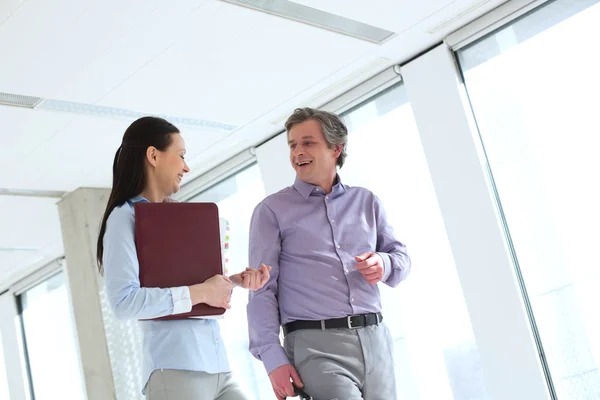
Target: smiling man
{"x": 329, "y": 245}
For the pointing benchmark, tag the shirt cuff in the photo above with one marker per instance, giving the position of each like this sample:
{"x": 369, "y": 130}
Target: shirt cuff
{"x": 387, "y": 266}
{"x": 182, "y": 302}
{"x": 274, "y": 358}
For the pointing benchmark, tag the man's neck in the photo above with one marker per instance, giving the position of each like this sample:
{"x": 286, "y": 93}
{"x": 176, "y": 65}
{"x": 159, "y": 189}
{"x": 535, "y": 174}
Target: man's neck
{"x": 328, "y": 184}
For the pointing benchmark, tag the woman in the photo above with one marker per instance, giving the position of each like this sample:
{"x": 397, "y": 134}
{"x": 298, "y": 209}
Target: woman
{"x": 183, "y": 359}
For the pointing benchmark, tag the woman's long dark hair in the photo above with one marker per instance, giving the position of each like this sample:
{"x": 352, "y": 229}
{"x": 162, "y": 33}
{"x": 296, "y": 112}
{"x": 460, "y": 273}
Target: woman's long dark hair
{"x": 129, "y": 172}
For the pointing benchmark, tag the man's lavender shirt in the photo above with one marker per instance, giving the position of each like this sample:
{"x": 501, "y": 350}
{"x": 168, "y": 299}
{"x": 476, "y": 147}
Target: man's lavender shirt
{"x": 310, "y": 239}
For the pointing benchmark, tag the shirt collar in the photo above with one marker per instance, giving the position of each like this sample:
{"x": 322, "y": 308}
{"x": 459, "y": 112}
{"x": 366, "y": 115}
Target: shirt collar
{"x": 306, "y": 189}
{"x": 138, "y": 198}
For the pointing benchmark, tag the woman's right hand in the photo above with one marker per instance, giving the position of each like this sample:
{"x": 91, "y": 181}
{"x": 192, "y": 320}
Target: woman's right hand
{"x": 215, "y": 292}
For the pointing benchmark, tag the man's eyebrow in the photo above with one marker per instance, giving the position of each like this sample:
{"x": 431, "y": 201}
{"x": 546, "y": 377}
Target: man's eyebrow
{"x": 303, "y": 137}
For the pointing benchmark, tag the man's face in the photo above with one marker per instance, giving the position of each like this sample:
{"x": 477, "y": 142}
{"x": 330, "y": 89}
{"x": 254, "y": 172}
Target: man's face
{"x": 311, "y": 157}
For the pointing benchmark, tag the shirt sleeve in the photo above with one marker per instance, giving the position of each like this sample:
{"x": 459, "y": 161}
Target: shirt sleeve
{"x": 121, "y": 272}
{"x": 263, "y": 307}
{"x": 182, "y": 301}
{"x": 395, "y": 258}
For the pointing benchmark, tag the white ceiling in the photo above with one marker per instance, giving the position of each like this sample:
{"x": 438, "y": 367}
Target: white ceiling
{"x": 199, "y": 59}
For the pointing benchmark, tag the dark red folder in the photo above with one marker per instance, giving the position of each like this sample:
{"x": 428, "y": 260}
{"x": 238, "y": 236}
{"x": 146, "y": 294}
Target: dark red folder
{"x": 178, "y": 244}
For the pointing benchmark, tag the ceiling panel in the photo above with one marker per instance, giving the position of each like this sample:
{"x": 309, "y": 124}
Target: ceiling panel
{"x": 23, "y": 68}
{"x": 28, "y": 223}
{"x": 65, "y": 37}
{"x": 22, "y": 131}
{"x": 53, "y": 150}
{"x": 7, "y": 8}
{"x": 144, "y": 39}
{"x": 224, "y": 71}
{"x": 79, "y": 153}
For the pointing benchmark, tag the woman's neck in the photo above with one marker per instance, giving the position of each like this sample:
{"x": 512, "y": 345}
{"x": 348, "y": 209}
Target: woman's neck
{"x": 153, "y": 194}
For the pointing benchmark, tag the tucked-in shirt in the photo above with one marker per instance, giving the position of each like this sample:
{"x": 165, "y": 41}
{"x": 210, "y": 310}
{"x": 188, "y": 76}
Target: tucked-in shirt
{"x": 188, "y": 344}
{"x": 310, "y": 239}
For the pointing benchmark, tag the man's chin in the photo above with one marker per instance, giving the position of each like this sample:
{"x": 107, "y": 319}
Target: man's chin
{"x": 301, "y": 176}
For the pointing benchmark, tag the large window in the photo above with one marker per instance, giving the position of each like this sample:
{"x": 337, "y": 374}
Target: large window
{"x": 50, "y": 342}
{"x": 436, "y": 356}
{"x": 534, "y": 86}
{"x": 236, "y": 198}
{"x": 3, "y": 380}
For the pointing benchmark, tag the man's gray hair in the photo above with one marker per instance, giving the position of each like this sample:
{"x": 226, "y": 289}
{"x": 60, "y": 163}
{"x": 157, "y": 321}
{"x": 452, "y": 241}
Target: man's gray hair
{"x": 333, "y": 128}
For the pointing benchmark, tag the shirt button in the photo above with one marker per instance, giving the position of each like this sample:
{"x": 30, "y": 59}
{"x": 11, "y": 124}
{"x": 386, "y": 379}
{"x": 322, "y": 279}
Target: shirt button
{"x": 338, "y": 246}
{"x": 353, "y": 299}
{"x": 346, "y": 270}
{"x": 326, "y": 198}
{"x": 217, "y": 340}
{"x": 333, "y": 221}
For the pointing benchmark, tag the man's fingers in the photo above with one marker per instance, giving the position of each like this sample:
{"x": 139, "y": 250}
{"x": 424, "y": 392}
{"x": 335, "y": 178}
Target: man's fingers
{"x": 361, "y": 266}
{"x": 265, "y": 276}
{"x": 296, "y": 378}
{"x": 369, "y": 262}
{"x": 264, "y": 280}
{"x": 363, "y": 256}
{"x": 278, "y": 394}
{"x": 245, "y": 280}
{"x": 370, "y": 271}
{"x": 289, "y": 390}
{"x": 374, "y": 278}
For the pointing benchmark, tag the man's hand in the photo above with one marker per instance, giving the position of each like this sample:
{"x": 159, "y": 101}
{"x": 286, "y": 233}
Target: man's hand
{"x": 370, "y": 265}
{"x": 281, "y": 380}
{"x": 251, "y": 278}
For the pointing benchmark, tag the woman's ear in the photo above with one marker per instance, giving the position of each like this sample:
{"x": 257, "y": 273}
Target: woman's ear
{"x": 152, "y": 155}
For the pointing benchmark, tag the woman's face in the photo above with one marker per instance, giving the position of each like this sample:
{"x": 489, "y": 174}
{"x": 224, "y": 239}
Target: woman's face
{"x": 170, "y": 165}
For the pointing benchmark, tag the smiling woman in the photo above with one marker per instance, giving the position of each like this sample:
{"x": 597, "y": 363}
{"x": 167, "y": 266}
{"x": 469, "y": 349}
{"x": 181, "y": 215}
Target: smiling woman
{"x": 182, "y": 358}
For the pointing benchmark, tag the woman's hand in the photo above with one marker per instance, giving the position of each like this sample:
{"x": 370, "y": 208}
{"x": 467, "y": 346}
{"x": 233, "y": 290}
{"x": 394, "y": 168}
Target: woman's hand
{"x": 215, "y": 292}
{"x": 251, "y": 278}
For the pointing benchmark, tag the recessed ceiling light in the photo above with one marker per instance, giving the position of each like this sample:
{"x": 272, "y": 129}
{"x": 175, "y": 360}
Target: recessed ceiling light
{"x": 321, "y": 19}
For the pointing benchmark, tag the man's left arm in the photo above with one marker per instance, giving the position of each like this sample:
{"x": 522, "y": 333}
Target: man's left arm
{"x": 396, "y": 262}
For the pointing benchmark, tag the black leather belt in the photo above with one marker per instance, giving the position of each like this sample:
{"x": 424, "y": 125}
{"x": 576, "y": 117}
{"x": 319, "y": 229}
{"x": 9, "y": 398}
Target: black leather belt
{"x": 349, "y": 322}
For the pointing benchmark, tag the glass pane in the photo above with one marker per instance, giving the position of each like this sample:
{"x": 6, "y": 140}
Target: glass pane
{"x": 236, "y": 198}
{"x": 3, "y": 379}
{"x": 436, "y": 355}
{"x": 535, "y": 99}
{"x": 52, "y": 350}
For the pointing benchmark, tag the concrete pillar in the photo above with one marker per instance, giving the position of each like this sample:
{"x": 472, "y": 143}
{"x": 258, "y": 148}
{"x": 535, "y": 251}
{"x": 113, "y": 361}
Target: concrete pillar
{"x": 80, "y": 216}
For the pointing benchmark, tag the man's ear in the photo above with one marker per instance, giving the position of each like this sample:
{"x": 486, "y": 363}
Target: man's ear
{"x": 152, "y": 155}
{"x": 337, "y": 150}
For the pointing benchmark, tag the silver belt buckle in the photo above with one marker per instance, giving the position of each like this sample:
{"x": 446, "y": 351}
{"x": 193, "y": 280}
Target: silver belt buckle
{"x": 350, "y": 323}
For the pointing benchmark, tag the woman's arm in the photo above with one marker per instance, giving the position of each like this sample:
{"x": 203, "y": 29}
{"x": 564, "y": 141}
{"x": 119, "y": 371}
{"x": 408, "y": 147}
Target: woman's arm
{"x": 121, "y": 271}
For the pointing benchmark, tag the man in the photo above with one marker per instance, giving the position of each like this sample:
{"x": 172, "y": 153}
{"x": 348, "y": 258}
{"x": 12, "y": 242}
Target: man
{"x": 329, "y": 245}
